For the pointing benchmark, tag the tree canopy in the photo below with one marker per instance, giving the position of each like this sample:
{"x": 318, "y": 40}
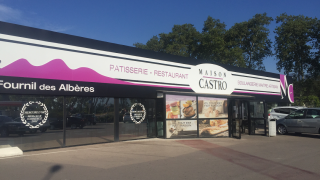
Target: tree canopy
{"x": 293, "y": 44}
{"x": 214, "y": 45}
{"x": 247, "y": 44}
{"x": 252, "y": 37}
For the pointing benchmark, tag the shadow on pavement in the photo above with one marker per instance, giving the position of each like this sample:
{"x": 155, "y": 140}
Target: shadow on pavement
{"x": 52, "y": 170}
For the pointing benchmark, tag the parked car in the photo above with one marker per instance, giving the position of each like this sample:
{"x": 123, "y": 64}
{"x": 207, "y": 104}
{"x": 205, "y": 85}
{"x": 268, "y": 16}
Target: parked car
{"x": 305, "y": 120}
{"x": 42, "y": 128}
{"x": 282, "y": 111}
{"x": 72, "y": 122}
{"x": 127, "y": 118}
{"x": 8, "y": 126}
{"x": 90, "y": 119}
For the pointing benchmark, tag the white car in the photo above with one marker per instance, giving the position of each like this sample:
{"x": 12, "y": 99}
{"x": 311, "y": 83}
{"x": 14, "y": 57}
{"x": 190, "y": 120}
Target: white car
{"x": 282, "y": 111}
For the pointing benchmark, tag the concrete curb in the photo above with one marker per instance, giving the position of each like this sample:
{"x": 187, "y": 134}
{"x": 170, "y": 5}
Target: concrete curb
{"x": 6, "y": 151}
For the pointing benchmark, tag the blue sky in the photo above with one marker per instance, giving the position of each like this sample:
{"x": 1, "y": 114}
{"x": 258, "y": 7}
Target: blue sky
{"x": 129, "y": 21}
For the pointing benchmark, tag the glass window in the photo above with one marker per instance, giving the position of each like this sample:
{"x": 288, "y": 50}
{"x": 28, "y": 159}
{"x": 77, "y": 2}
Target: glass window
{"x": 313, "y": 113}
{"x": 89, "y": 120}
{"x": 159, "y": 117}
{"x": 297, "y": 114}
{"x": 137, "y": 118}
{"x": 26, "y": 121}
{"x": 292, "y": 110}
{"x": 284, "y": 110}
{"x": 277, "y": 110}
{"x": 270, "y": 106}
{"x": 256, "y": 109}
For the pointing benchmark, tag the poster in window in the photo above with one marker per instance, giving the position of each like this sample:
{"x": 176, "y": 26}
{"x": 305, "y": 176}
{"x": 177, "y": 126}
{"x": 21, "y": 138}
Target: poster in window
{"x": 181, "y": 107}
{"x": 212, "y": 107}
{"x": 181, "y": 128}
{"x": 213, "y": 128}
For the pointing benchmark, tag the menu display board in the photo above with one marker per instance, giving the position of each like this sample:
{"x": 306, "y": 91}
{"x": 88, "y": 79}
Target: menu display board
{"x": 181, "y": 107}
{"x": 213, "y": 128}
{"x": 212, "y": 107}
{"x": 181, "y": 128}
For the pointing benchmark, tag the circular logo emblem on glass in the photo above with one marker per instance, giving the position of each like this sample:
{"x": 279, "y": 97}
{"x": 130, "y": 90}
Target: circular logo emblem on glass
{"x": 137, "y": 113}
{"x": 34, "y": 114}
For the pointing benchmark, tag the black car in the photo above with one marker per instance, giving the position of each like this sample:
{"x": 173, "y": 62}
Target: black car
{"x": 8, "y": 126}
{"x": 90, "y": 119}
{"x": 72, "y": 122}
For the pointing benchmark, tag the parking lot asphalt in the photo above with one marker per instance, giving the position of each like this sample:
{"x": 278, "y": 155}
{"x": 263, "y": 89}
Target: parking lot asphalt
{"x": 252, "y": 157}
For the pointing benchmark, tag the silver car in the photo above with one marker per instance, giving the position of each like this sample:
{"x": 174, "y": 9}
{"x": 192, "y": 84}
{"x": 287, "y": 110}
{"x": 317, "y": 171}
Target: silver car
{"x": 282, "y": 111}
{"x": 305, "y": 120}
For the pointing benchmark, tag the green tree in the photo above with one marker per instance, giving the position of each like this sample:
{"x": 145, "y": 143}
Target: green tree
{"x": 214, "y": 47}
{"x": 154, "y": 44}
{"x": 252, "y": 38}
{"x": 314, "y": 68}
{"x": 183, "y": 41}
{"x": 293, "y": 43}
{"x": 307, "y": 91}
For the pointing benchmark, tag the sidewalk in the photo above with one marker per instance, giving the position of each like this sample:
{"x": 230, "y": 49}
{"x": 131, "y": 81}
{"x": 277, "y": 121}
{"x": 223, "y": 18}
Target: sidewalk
{"x": 252, "y": 157}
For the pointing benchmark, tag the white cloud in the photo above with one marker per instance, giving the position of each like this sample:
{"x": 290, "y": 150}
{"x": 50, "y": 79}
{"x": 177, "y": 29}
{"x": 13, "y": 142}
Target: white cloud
{"x": 16, "y": 16}
{"x": 9, "y": 14}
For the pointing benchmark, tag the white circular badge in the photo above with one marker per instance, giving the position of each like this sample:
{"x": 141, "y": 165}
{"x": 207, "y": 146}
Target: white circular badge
{"x": 137, "y": 113}
{"x": 34, "y": 116}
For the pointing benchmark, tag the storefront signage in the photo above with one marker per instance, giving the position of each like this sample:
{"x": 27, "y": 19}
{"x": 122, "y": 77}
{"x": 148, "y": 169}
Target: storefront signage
{"x": 45, "y": 87}
{"x": 286, "y": 90}
{"x": 79, "y": 67}
{"x": 210, "y": 78}
{"x": 137, "y": 113}
{"x": 34, "y": 114}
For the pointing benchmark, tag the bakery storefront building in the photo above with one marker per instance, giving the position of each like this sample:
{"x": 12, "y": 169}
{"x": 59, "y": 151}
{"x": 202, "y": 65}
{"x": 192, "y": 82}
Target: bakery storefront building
{"x": 59, "y": 90}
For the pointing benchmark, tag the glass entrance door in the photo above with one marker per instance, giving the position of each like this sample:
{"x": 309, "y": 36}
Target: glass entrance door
{"x": 236, "y": 118}
{"x": 244, "y": 117}
{"x": 257, "y": 118}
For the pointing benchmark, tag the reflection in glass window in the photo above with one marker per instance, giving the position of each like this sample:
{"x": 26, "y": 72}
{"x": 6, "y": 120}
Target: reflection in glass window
{"x": 313, "y": 113}
{"x": 89, "y": 120}
{"x": 297, "y": 114}
{"x": 283, "y": 110}
{"x": 37, "y": 132}
{"x": 256, "y": 109}
{"x": 270, "y": 106}
{"x": 159, "y": 117}
{"x": 144, "y": 125}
